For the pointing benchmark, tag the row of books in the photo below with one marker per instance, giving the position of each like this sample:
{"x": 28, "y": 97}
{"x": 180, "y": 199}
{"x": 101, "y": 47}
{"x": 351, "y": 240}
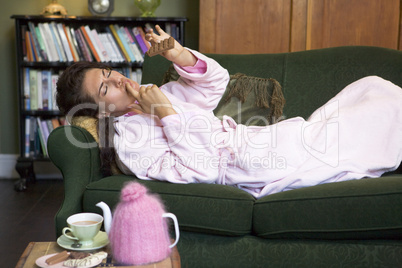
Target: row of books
{"x": 37, "y": 131}
{"x": 58, "y": 42}
{"x": 40, "y": 87}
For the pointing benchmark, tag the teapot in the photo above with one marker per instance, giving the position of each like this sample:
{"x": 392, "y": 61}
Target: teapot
{"x": 138, "y": 232}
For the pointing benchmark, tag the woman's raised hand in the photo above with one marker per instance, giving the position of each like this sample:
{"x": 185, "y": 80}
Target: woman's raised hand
{"x": 151, "y": 100}
{"x": 178, "y": 54}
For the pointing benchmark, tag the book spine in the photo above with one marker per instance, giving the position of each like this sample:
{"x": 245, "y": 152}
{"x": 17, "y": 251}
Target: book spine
{"x": 124, "y": 40}
{"x": 27, "y": 97}
{"x": 27, "y": 131}
{"x": 81, "y": 42}
{"x": 33, "y": 89}
{"x": 139, "y": 39}
{"x": 101, "y": 47}
{"x": 31, "y": 52}
{"x": 115, "y": 46}
{"x": 43, "y": 49}
{"x": 74, "y": 38}
{"x": 39, "y": 89}
{"x": 23, "y": 42}
{"x": 46, "y": 91}
{"x": 142, "y": 33}
{"x": 51, "y": 42}
{"x": 42, "y": 136}
{"x": 54, "y": 78}
{"x": 57, "y": 43}
{"x": 70, "y": 43}
{"x": 32, "y": 136}
{"x": 64, "y": 42}
{"x": 133, "y": 45}
{"x": 119, "y": 42}
{"x": 47, "y": 41}
{"x": 89, "y": 43}
{"x": 35, "y": 41}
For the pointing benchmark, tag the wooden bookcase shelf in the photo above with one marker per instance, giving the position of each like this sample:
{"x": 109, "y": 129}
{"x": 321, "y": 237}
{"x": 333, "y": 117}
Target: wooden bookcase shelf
{"x": 43, "y": 61}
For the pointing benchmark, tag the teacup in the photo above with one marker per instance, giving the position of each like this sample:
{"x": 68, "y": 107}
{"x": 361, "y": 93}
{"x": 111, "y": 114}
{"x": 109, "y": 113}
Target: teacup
{"x": 84, "y": 227}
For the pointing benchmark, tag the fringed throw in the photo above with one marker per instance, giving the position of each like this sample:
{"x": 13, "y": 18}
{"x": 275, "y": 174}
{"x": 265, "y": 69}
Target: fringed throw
{"x": 268, "y": 93}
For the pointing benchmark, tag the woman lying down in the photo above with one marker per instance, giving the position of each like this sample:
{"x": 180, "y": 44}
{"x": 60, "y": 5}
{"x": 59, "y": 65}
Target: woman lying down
{"x": 169, "y": 133}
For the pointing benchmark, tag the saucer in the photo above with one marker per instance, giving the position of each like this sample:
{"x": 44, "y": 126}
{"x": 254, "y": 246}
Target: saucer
{"x": 41, "y": 262}
{"x": 100, "y": 241}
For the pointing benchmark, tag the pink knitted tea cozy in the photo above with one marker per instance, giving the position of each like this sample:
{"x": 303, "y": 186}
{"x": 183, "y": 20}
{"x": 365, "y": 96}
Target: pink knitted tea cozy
{"x": 139, "y": 234}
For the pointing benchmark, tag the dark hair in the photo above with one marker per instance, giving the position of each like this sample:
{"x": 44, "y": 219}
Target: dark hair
{"x": 70, "y": 93}
{"x": 69, "y": 88}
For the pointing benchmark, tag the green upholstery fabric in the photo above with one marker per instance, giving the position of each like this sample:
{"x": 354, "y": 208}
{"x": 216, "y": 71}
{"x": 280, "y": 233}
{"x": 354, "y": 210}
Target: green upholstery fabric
{"x": 357, "y": 209}
{"x": 208, "y": 204}
{"x": 312, "y": 78}
{"x": 203, "y": 250}
{"x": 347, "y": 224}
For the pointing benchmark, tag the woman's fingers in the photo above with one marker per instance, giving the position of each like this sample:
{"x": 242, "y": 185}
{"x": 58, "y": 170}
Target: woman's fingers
{"x": 131, "y": 90}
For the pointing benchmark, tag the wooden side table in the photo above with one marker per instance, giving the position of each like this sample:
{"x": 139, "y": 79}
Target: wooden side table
{"x": 35, "y": 250}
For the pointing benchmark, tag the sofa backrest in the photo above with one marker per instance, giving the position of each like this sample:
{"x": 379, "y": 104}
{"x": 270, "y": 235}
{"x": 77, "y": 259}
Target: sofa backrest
{"x": 308, "y": 78}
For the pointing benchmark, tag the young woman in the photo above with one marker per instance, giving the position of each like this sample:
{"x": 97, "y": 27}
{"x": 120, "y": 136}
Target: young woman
{"x": 170, "y": 133}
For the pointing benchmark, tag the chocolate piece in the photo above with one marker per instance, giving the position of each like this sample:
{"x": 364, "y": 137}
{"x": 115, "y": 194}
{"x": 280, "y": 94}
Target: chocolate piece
{"x": 160, "y": 47}
{"x": 62, "y": 256}
{"x": 78, "y": 255}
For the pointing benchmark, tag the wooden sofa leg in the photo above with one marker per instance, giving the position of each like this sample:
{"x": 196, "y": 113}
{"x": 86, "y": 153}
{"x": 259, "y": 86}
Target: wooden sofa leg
{"x": 25, "y": 169}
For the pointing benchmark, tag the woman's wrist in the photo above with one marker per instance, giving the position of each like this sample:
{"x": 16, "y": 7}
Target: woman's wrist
{"x": 163, "y": 111}
{"x": 185, "y": 58}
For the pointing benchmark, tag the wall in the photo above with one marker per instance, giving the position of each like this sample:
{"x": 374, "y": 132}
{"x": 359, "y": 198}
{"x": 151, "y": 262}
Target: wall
{"x": 8, "y": 85}
{"x": 274, "y": 26}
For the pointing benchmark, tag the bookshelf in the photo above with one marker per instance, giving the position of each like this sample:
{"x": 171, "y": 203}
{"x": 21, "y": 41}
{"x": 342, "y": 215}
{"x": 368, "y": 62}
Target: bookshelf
{"x": 45, "y": 46}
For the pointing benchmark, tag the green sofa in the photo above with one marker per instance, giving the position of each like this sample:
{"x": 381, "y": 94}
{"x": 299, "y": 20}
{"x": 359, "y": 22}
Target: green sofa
{"x": 346, "y": 224}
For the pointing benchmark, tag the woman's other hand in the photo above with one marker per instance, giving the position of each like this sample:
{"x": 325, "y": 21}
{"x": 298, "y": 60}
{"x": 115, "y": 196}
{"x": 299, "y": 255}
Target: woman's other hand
{"x": 178, "y": 55}
{"x": 151, "y": 100}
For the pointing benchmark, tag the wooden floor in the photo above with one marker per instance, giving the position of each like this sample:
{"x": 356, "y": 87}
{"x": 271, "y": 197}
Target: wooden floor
{"x": 27, "y": 216}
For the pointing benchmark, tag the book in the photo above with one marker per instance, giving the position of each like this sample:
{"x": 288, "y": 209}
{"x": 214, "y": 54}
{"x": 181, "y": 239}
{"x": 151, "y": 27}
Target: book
{"x": 27, "y": 131}
{"x": 102, "y": 51}
{"x": 48, "y": 43}
{"x": 43, "y": 135}
{"x": 43, "y": 48}
{"x": 142, "y": 33}
{"x": 23, "y": 42}
{"x": 48, "y": 38}
{"x": 108, "y": 47}
{"x": 39, "y": 90}
{"x": 56, "y": 41}
{"x": 27, "y": 97}
{"x": 33, "y": 89}
{"x": 75, "y": 44}
{"x": 139, "y": 39}
{"x": 30, "y": 52}
{"x": 71, "y": 43}
{"x": 64, "y": 42}
{"x": 133, "y": 45}
{"x": 119, "y": 42}
{"x": 83, "y": 46}
{"x": 35, "y": 42}
{"x": 54, "y": 79}
{"x": 33, "y": 137}
{"x": 47, "y": 90}
{"x": 117, "y": 52}
{"x": 124, "y": 40}
{"x": 55, "y": 122}
{"x": 88, "y": 41}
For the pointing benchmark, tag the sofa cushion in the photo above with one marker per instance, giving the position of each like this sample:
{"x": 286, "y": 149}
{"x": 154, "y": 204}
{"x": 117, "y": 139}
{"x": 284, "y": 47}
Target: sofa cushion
{"x": 357, "y": 209}
{"x": 213, "y": 209}
{"x": 249, "y": 100}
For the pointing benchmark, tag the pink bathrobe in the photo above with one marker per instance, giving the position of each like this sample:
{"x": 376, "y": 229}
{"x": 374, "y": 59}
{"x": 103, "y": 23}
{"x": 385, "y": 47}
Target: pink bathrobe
{"x": 356, "y": 134}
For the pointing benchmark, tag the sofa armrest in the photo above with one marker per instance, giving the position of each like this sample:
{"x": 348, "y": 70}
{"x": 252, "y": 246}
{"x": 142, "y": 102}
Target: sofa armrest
{"x": 74, "y": 151}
